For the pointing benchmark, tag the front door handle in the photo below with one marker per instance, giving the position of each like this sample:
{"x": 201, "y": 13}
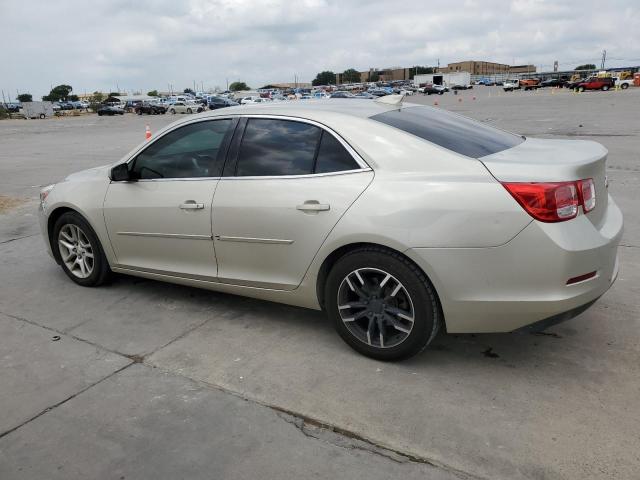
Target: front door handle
{"x": 313, "y": 206}
{"x": 191, "y": 205}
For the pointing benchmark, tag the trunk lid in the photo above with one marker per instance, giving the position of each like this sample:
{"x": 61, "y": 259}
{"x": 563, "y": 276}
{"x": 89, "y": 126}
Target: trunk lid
{"x": 543, "y": 160}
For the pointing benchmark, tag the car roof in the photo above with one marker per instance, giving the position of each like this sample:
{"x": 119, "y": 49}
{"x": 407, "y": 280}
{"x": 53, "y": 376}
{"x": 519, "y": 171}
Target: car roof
{"x": 318, "y": 110}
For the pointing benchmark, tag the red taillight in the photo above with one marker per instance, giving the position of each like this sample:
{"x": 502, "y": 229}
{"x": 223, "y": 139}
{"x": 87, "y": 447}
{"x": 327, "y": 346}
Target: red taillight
{"x": 587, "y": 191}
{"x": 554, "y": 201}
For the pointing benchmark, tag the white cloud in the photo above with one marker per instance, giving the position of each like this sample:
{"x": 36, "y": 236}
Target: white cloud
{"x": 146, "y": 44}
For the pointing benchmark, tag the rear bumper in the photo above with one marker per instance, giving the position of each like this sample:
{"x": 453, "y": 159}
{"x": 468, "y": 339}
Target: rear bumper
{"x": 506, "y": 288}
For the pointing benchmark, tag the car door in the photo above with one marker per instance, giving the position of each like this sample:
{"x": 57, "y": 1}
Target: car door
{"x": 161, "y": 221}
{"x": 286, "y": 184}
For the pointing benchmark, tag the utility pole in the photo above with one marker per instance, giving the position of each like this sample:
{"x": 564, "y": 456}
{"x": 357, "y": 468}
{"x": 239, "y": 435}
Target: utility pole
{"x": 227, "y": 84}
{"x": 604, "y": 57}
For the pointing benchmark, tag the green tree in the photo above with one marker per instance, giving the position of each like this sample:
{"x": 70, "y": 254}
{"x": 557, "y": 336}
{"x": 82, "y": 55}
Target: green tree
{"x": 73, "y": 98}
{"x": 586, "y": 66}
{"x": 95, "y": 100}
{"x": 418, "y": 70}
{"x": 238, "y": 86}
{"x": 153, "y": 93}
{"x": 351, "y": 75}
{"x": 59, "y": 92}
{"x": 374, "y": 77}
{"x": 324, "y": 78}
{"x": 25, "y": 97}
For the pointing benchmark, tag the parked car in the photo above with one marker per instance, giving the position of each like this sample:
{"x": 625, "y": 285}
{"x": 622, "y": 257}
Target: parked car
{"x": 378, "y": 92}
{"x": 110, "y": 110}
{"x": 365, "y": 95}
{"x": 511, "y": 85}
{"x": 435, "y": 89}
{"x": 220, "y": 102}
{"x": 596, "y": 83}
{"x": 184, "y": 107}
{"x": 315, "y": 227}
{"x": 150, "y": 108}
{"x": 529, "y": 83}
{"x": 12, "y": 107}
{"x": 623, "y": 84}
{"x": 461, "y": 87}
{"x": 65, "y": 105}
{"x": 573, "y": 84}
{"x": 341, "y": 94}
{"x": 554, "y": 82}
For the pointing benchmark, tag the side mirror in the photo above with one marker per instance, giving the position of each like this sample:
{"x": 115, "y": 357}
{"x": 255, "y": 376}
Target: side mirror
{"x": 120, "y": 173}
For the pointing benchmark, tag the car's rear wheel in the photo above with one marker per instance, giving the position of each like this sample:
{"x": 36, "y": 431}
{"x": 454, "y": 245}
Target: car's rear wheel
{"x": 172, "y": 111}
{"x": 189, "y": 110}
{"x": 77, "y": 247}
{"x": 581, "y": 89}
{"x": 605, "y": 88}
{"x": 624, "y": 86}
{"x": 381, "y": 304}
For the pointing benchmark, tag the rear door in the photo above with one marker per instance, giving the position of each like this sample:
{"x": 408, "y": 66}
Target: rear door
{"x": 286, "y": 184}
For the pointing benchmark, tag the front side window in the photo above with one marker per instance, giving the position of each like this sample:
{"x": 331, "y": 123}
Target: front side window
{"x": 188, "y": 152}
{"x": 277, "y": 147}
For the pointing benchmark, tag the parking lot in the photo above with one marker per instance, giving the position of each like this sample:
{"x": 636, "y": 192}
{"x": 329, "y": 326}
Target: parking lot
{"x": 141, "y": 379}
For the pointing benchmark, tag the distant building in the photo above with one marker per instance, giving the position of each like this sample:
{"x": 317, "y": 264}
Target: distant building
{"x": 475, "y": 67}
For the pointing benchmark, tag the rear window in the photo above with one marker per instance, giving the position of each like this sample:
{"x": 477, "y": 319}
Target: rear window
{"x": 454, "y": 132}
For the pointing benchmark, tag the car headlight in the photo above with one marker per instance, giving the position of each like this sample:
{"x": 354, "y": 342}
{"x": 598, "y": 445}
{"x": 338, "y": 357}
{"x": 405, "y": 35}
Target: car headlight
{"x": 44, "y": 193}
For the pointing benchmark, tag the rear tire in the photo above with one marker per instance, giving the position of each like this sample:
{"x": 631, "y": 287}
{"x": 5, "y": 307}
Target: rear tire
{"x": 189, "y": 111}
{"x": 624, "y": 86}
{"x": 605, "y": 88}
{"x": 581, "y": 89}
{"x": 79, "y": 251}
{"x": 388, "y": 319}
{"x": 172, "y": 111}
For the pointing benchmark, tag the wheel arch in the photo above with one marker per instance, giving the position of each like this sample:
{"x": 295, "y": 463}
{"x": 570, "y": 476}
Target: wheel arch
{"x": 333, "y": 257}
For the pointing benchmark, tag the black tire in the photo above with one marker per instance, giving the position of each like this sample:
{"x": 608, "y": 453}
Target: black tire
{"x": 624, "y": 86}
{"x": 172, "y": 111}
{"x": 189, "y": 111}
{"x": 426, "y": 306}
{"x": 99, "y": 114}
{"x": 581, "y": 89}
{"x": 139, "y": 112}
{"x": 605, "y": 88}
{"x": 101, "y": 272}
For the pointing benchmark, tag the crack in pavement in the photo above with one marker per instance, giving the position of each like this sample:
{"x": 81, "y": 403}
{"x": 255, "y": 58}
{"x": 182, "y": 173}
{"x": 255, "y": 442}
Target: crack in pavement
{"x": 18, "y": 238}
{"x": 308, "y": 426}
{"x": 61, "y": 402}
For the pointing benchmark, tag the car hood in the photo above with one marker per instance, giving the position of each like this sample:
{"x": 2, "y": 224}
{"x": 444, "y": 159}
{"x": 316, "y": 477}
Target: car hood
{"x": 83, "y": 175}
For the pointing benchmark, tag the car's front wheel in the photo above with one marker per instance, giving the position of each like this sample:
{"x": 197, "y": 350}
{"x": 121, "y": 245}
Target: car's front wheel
{"x": 172, "y": 111}
{"x": 77, "y": 247}
{"x": 381, "y": 304}
{"x": 605, "y": 88}
{"x": 581, "y": 89}
{"x": 624, "y": 86}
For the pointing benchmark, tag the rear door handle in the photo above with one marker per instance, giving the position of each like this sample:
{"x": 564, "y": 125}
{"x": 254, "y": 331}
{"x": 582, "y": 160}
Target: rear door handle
{"x": 313, "y": 206}
{"x": 191, "y": 205}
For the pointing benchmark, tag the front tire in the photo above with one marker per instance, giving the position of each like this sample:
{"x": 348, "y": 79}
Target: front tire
{"x": 172, "y": 111}
{"x": 605, "y": 88}
{"x": 624, "y": 86}
{"x": 381, "y": 304}
{"x": 79, "y": 251}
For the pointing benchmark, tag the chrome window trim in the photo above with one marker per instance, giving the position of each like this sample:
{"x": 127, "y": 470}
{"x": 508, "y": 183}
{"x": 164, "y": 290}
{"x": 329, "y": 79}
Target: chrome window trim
{"x": 364, "y": 167}
{"x": 355, "y": 155}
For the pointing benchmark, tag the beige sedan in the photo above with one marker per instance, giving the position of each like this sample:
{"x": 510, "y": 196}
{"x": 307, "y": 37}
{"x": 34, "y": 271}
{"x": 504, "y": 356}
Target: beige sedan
{"x": 185, "y": 107}
{"x": 397, "y": 220}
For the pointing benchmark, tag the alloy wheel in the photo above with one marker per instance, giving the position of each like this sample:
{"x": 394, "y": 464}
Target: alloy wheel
{"x": 375, "y": 307}
{"x": 75, "y": 250}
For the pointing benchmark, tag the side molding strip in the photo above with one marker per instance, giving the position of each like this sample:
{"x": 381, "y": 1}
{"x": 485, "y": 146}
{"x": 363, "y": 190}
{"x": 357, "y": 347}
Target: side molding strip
{"x": 167, "y": 235}
{"x": 277, "y": 241}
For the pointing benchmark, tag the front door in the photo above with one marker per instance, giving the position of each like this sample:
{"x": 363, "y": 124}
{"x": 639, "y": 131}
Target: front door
{"x": 290, "y": 184}
{"x": 161, "y": 221}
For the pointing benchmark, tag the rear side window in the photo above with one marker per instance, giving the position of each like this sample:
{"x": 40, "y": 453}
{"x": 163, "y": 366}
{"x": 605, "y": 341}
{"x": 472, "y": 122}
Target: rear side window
{"x": 277, "y": 147}
{"x": 459, "y": 134}
{"x": 333, "y": 157}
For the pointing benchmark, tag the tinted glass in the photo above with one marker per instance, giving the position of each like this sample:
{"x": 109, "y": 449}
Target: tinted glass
{"x": 333, "y": 157}
{"x": 190, "y": 151}
{"x": 459, "y": 134}
{"x": 277, "y": 147}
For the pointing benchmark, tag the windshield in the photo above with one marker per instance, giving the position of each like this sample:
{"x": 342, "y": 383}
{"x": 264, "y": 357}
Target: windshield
{"x": 454, "y": 132}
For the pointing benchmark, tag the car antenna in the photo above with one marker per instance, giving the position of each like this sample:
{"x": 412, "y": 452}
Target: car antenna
{"x": 395, "y": 100}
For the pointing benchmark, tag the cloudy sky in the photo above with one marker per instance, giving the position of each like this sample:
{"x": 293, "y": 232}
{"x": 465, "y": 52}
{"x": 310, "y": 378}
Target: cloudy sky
{"x": 148, "y": 44}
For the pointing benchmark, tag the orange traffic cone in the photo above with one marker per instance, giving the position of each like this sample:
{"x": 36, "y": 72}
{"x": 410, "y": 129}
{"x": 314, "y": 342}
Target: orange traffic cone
{"x": 147, "y": 133}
